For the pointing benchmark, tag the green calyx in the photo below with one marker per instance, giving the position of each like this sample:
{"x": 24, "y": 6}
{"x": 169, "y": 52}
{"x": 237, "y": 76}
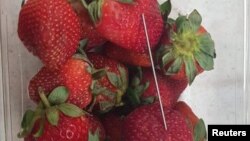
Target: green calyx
{"x": 189, "y": 47}
{"x": 119, "y": 81}
{"x": 136, "y": 90}
{"x": 93, "y": 136}
{"x": 166, "y": 8}
{"x": 94, "y": 9}
{"x": 126, "y": 1}
{"x": 200, "y": 132}
{"x": 49, "y": 109}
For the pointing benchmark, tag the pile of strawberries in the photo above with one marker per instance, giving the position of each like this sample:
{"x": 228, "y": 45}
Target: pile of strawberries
{"x": 97, "y": 82}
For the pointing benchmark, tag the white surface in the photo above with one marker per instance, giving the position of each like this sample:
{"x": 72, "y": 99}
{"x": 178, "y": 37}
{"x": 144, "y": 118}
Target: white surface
{"x": 217, "y": 96}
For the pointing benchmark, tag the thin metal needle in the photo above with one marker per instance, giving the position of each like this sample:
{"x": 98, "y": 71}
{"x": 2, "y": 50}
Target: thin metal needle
{"x": 154, "y": 73}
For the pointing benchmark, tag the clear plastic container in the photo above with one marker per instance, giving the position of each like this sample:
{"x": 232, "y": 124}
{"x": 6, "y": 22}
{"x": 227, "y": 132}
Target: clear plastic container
{"x": 220, "y": 96}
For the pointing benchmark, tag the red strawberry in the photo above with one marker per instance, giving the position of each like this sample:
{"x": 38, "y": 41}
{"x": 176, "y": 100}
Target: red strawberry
{"x": 170, "y": 89}
{"x": 114, "y": 130}
{"x": 121, "y": 22}
{"x": 54, "y": 119}
{"x": 49, "y": 29}
{"x": 146, "y": 124}
{"x": 68, "y": 129}
{"x": 127, "y": 56}
{"x": 74, "y": 75}
{"x": 46, "y": 79}
{"x": 114, "y": 83}
{"x": 88, "y": 28}
{"x": 196, "y": 125}
{"x": 186, "y": 48}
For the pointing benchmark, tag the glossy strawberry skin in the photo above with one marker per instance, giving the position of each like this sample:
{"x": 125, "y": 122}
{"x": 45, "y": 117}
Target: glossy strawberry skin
{"x": 186, "y": 111}
{"x": 50, "y": 30}
{"x": 146, "y": 124}
{"x": 125, "y": 27}
{"x": 74, "y": 76}
{"x": 88, "y": 28}
{"x": 68, "y": 129}
{"x": 47, "y": 80}
{"x": 114, "y": 130}
{"x": 127, "y": 56}
{"x": 170, "y": 89}
{"x": 77, "y": 78}
{"x": 78, "y": 128}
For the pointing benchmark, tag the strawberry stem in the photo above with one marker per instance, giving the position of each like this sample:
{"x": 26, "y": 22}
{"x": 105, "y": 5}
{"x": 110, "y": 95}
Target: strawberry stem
{"x": 43, "y": 97}
{"x": 84, "y": 4}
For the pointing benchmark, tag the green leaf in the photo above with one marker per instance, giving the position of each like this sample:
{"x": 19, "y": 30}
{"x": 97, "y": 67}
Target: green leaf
{"x": 123, "y": 74}
{"x": 200, "y": 132}
{"x": 171, "y": 21}
{"x": 28, "y": 122}
{"x": 124, "y": 80}
{"x": 28, "y": 116}
{"x": 185, "y": 27}
{"x": 133, "y": 97}
{"x": 114, "y": 79}
{"x": 70, "y": 110}
{"x": 176, "y": 66}
{"x": 166, "y": 8}
{"x": 94, "y": 9}
{"x": 148, "y": 100}
{"x": 59, "y": 95}
{"x": 93, "y": 137}
{"x": 111, "y": 95}
{"x": 195, "y": 19}
{"x": 106, "y": 106}
{"x": 85, "y": 59}
{"x": 41, "y": 129}
{"x": 205, "y": 61}
{"x": 207, "y": 44}
{"x": 126, "y": 1}
{"x": 52, "y": 115}
{"x": 166, "y": 59}
{"x": 98, "y": 74}
{"x": 135, "y": 81}
{"x": 191, "y": 70}
{"x": 179, "y": 22}
{"x": 96, "y": 88}
{"x": 82, "y": 44}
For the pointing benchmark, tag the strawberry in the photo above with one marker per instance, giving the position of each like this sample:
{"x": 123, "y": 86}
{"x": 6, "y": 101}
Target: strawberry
{"x": 144, "y": 89}
{"x": 54, "y": 119}
{"x": 187, "y": 49}
{"x": 46, "y": 79}
{"x": 121, "y": 23}
{"x": 127, "y": 56}
{"x": 145, "y": 124}
{"x": 50, "y": 30}
{"x": 110, "y": 88}
{"x": 88, "y": 28}
{"x": 196, "y": 125}
{"x": 114, "y": 130}
{"x": 68, "y": 129}
{"x": 74, "y": 75}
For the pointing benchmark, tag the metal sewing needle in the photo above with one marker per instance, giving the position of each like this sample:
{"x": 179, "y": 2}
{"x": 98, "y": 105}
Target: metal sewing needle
{"x": 154, "y": 73}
